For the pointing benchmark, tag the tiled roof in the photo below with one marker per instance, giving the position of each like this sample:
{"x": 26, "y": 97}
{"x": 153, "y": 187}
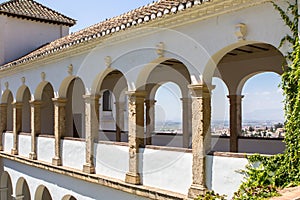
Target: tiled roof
{"x": 135, "y": 17}
{"x": 33, "y": 10}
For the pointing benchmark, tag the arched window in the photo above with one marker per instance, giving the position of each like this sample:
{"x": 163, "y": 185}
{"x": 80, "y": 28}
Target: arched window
{"x": 107, "y": 101}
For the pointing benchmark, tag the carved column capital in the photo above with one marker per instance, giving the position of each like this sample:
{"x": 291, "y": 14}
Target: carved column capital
{"x": 201, "y": 90}
{"x": 91, "y": 98}
{"x": 3, "y": 105}
{"x": 59, "y": 102}
{"x": 17, "y": 105}
{"x": 35, "y": 103}
{"x": 235, "y": 98}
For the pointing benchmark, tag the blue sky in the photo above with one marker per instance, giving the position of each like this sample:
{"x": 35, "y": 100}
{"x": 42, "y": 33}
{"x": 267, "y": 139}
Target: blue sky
{"x": 89, "y": 12}
{"x": 263, "y": 98}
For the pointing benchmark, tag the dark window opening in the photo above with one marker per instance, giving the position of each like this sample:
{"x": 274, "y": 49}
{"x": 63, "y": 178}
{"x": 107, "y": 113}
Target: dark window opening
{"x": 107, "y": 101}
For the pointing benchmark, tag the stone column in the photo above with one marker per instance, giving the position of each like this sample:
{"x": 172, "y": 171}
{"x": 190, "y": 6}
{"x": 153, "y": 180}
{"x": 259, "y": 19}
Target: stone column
{"x": 136, "y": 134}
{"x": 235, "y": 120}
{"x": 150, "y": 120}
{"x": 3, "y": 193}
{"x": 91, "y": 130}
{"x": 186, "y": 126}
{"x": 35, "y": 107}
{"x": 59, "y": 127}
{"x": 119, "y": 120}
{"x": 3, "y": 122}
{"x": 201, "y": 118}
{"x": 17, "y": 126}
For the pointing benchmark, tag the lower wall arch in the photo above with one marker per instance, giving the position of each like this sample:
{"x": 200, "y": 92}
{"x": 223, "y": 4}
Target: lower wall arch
{"x": 22, "y": 189}
{"x": 59, "y": 185}
{"x": 5, "y": 182}
{"x": 68, "y": 197}
{"x": 42, "y": 193}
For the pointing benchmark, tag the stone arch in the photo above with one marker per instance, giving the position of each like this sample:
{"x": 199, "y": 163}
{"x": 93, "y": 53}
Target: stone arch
{"x": 22, "y": 189}
{"x": 249, "y": 76}
{"x": 24, "y": 96}
{"x": 68, "y": 197}
{"x": 42, "y": 193}
{"x": 7, "y": 98}
{"x": 240, "y": 63}
{"x": 6, "y": 185}
{"x": 115, "y": 82}
{"x": 97, "y": 83}
{"x": 170, "y": 64}
{"x": 45, "y": 93}
{"x": 236, "y": 63}
{"x": 157, "y": 73}
{"x": 211, "y": 67}
{"x": 73, "y": 89}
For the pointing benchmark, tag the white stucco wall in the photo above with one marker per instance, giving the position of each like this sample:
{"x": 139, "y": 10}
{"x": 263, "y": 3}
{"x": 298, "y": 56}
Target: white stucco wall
{"x": 112, "y": 160}
{"x": 223, "y": 174}
{"x": 24, "y": 145}
{"x": 169, "y": 170}
{"x": 21, "y": 36}
{"x": 73, "y": 153}
{"x": 7, "y": 142}
{"x": 60, "y": 185}
{"x": 88, "y": 64}
{"x": 45, "y": 149}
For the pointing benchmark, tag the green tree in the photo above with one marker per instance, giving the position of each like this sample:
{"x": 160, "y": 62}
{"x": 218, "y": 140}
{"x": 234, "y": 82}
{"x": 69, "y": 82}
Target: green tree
{"x": 281, "y": 170}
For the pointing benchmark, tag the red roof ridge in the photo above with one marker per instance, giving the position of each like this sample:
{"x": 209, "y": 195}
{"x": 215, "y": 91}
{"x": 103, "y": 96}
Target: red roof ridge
{"x": 115, "y": 24}
{"x": 30, "y": 9}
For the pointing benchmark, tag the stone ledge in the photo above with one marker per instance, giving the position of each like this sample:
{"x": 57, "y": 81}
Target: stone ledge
{"x": 140, "y": 190}
{"x": 228, "y": 154}
{"x": 174, "y": 149}
{"x": 233, "y": 155}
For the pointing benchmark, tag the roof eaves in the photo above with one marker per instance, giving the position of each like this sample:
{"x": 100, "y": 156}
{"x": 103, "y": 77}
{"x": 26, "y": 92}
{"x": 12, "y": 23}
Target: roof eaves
{"x": 37, "y": 19}
{"x": 52, "y": 48}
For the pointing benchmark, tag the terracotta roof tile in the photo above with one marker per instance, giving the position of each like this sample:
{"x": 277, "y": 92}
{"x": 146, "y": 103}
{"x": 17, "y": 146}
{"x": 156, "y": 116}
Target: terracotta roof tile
{"x": 140, "y": 15}
{"x": 33, "y": 10}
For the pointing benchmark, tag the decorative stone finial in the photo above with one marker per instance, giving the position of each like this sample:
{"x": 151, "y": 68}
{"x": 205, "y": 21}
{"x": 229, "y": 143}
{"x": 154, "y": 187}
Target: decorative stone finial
{"x": 241, "y": 31}
{"x": 6, "y": 85}
{"x": 108, "y": 61}
{"x": 70, "y": 69}
{"x": 160, "y": 49}
{"x": 23, "y": 79}
{"x": 43, "y": 76}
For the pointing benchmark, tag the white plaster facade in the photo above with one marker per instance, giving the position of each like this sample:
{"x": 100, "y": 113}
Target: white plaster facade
{"x": 183, "y": 48}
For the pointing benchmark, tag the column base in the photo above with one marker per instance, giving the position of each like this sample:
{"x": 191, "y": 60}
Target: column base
{"x": 32, "y": 156}
{"x": 14, "y": 152}
{"x": 89, "y": 169}
{"x": 196, "y": 190}
{"x": 56, "y": 161}
{"x": 1, "y": 148}
{"x": 133, "y": 178}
